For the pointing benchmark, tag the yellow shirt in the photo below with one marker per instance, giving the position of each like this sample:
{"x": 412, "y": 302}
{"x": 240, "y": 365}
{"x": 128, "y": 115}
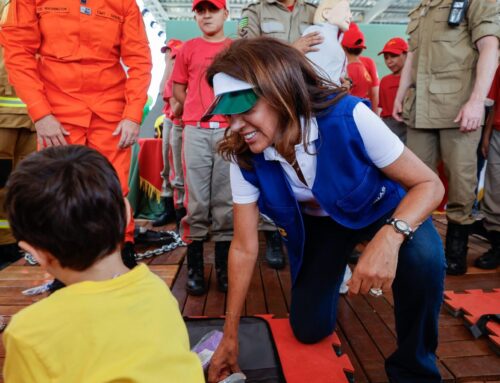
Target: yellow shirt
{"x": 128, "y": 330}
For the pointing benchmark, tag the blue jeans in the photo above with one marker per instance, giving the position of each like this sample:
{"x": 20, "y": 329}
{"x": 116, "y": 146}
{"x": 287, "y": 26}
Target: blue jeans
{"x": 417, "y": 288}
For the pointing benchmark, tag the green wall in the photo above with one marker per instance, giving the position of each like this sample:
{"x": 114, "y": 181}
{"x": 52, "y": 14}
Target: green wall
{"x": 376, "y": 36}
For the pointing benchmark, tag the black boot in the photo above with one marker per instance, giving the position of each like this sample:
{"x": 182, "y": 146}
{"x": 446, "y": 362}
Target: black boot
{"x": 128, "y": 255}
{"x": 168, "y": 214}
{"x": 491, "y": 259}
{"x": 195, "y": 284}
{"x": 221, "y": 253}
{"x": 179, "y": 215}
{"x": 457, "y": 237}
{"x": 274, "y": 250}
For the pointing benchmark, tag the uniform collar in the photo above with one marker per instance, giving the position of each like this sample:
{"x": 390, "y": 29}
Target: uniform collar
{"x": 276, "y": 1}
{"x": 271, "y": 154}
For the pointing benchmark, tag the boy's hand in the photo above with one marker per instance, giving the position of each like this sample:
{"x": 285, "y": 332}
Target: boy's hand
{"x": 397, "y": 111}
{"x": 129, "y": 131}
{"x": 50, "y": 132}
{"x": 306, "y": 43}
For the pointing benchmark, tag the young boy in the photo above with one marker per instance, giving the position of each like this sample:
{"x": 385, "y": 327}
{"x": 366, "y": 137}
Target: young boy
{"x": 176, "y": 171}
{"x": 109, "y": 323}
{"x": 207, "y": 198}
{"x": 394, "y": 52}
{"x": 362, "y": 71}
{"x": 167, "y": 193}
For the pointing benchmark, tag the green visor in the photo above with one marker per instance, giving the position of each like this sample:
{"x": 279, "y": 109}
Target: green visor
{"x": 232, "y": 103}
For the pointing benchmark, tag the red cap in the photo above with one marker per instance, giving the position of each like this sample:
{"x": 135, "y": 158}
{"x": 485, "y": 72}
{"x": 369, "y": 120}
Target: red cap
{"x": 172, "y": 43}
{"x": 219, "y": 4}
{"x": 353, "y": 37}
{"x": 396, "y": 45}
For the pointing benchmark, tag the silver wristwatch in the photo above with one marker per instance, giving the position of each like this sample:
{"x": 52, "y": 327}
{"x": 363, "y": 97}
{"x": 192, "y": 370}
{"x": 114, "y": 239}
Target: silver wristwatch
{"x": 401, "y": 227}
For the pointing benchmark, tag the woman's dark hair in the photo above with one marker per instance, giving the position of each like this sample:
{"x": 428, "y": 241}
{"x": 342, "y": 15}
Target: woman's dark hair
{"x": 67, "y": 200}
{"x": 285, "y": 79}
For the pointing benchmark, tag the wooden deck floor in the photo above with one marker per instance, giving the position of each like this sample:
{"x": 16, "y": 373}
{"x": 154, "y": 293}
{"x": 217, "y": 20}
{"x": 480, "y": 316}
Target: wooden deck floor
{"x": 365, "y": 324}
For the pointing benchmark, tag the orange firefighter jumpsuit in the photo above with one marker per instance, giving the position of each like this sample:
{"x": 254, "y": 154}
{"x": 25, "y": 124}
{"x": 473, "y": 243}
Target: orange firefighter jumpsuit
{"x": 87, "y": 63}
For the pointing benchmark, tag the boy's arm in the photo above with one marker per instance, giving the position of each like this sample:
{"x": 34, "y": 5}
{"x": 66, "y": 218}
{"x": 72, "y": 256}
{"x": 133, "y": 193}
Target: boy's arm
{"x": 176, "y": 106}
{"x": 179, "y": 91}
{"x": 374, "y": 98}
{"x": 22, "y": 363}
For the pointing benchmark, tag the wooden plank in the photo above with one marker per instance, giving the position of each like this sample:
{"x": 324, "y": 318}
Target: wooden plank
{"x": 463, "y": 348}
{"x": 179, "y": 287}
{"x": 255, "y": 303}
{"x": 453, "y": 333}
{"x": 474, "y": 367}
{"x": 374, "y": 324}
{"x": 174, "y": 257}
{"x": 359, "y": 374}
{"x": 195, "y": 306}
{"x": 215, "y": 304}
{"x": 274, "y": 295}
{"x": 165, "y": 272}
{"x": 361, "y": 342}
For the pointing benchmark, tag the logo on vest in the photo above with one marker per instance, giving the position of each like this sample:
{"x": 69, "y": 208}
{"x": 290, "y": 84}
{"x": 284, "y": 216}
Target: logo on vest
{"x": 282, "y": 232}
{"x": 381, "y": 195}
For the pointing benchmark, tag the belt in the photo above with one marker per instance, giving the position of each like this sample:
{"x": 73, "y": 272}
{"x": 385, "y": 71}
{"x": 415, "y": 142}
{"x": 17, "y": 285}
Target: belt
{"x": 11, "y": 102}
{"x": 207, "y": 124}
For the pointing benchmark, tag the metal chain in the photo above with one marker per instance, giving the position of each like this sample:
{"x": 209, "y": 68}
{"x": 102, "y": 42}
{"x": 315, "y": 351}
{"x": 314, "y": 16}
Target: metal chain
{"x": 177, "y": 242}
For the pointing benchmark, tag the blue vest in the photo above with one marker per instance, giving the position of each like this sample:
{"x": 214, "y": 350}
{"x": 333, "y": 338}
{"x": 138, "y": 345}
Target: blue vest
{"x": 348, "y": 186}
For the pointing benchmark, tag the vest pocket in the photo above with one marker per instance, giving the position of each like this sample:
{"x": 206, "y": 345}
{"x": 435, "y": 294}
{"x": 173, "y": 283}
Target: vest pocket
{"x": 107, "y": 32}
{"x": 369, "y": 191}
{"x": 59, "y": 31}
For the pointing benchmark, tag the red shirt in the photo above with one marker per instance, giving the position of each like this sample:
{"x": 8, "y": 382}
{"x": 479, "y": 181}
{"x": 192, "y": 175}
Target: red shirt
{"x": 387, "y": 93}
{"x": 371, "y": 67}
{"x": 494, "y": 94}
{"x": 361, "y": 79}
{"x": 190, "y": 68}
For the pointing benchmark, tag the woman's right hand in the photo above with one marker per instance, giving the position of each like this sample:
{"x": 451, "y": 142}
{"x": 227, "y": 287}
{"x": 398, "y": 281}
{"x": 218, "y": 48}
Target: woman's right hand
{"x": 225, "y": 360}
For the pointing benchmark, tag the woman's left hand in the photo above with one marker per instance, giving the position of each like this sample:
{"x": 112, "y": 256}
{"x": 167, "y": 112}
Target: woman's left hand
{"x": 377, "y": 264}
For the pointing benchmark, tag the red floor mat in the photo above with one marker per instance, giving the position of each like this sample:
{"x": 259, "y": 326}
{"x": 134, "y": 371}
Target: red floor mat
{"x": 311, "y": 363}
{"x": 474, "y": 303}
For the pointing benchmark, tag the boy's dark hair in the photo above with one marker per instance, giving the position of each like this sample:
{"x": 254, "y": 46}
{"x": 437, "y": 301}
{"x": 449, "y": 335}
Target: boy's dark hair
{"x": 67, "y": 200}
{"x": 354, "y": 51}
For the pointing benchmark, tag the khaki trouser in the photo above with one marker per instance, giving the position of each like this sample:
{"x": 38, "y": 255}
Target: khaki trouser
{"x": 176, "y": 171}
{"x": 491, "y": 201}
{"x": 15, "y": 144}
{"x": 208, "y": 199}
{"x": 166, "y": 188}
{"x": 397, "y": 127}
{"x": 458, "y": 152}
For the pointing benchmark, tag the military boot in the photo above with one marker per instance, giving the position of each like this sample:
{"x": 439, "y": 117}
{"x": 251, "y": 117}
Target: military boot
{"x": 274, "y": 250}
{"x": 221, "y": 253}
{"x": 457, "y": 237}
{"x": 491, "y": 259}
{"x": 168, "y": 214}
{"x": 195, "y": 284}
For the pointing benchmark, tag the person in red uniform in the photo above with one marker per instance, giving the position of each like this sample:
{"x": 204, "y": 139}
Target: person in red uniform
{"x": 65, "y": 61}
{"x": 362, "y": 71}
{"x": 394, "y": 52}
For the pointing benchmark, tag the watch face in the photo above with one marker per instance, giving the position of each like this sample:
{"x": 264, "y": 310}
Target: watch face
{"x": 402, "y": 226}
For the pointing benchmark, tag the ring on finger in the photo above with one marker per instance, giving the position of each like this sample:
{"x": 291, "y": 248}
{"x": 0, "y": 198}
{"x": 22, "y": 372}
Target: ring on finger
{"x": 375, "y": 292}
